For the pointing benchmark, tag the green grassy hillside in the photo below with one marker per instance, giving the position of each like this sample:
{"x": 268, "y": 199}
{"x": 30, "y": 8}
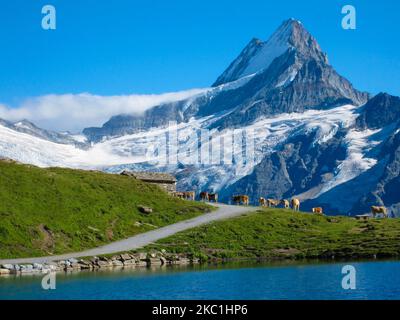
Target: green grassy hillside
{"x": 55, "y": 210}
{"x": 278, "y": 233}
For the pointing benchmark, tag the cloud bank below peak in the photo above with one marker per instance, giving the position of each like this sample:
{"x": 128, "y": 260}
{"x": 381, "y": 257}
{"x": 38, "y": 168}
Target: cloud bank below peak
{"x": 74, "y": 112}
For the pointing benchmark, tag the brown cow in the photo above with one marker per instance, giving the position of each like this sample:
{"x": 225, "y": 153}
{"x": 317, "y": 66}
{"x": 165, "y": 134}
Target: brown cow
{"x": 178, "y": 194}
{"x": 203, "y": 196}
{"x": 236, "y": 199}
{"x": 295, "y": 204}
{"x": 285, "y": 204}
{"x": 379, "y": 209}
{"x": 262, "y": 202}
{"x": 189, "y": 195}
{"x": 213, "y": 197}
{"x": 318, "y": 210}
{"x": 272, "y": 202}
{"x": 241, "y": 199}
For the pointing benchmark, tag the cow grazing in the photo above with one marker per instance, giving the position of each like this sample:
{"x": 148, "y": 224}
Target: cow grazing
{"x": 213, "y": 197}
{"x": 262, "y": 202}
{"x": 285, "y": 204}
{"x": 203, "y": 196}
{"x": 189, "y": 195}
{"x": 317, "y": 210}
{"x": 241, "y": 199}
{"x": 379, "y": 209}
{"x": 272, "y": 202}
{"x": 295, "y": 204}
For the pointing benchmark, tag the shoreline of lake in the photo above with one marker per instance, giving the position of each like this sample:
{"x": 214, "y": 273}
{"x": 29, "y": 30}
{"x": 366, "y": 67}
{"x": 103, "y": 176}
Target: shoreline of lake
{"x": 158, "y": 260}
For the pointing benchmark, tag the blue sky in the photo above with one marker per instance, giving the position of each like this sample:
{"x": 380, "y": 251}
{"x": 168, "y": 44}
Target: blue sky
{"x": 123, "y": 47}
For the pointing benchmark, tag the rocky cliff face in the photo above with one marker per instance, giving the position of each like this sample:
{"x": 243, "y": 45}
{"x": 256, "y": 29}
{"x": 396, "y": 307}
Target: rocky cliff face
{"x": 380, "y": 111}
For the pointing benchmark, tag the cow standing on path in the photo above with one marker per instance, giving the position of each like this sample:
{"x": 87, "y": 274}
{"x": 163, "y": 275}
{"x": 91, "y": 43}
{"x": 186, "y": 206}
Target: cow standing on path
{"x": 203, "y": 196}
{"x": 241, "y": 199}
{"x": 213, "y": 197}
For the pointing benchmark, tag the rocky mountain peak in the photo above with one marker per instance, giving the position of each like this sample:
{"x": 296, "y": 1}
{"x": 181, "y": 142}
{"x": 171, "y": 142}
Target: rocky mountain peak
{"x": 258, "y": 55}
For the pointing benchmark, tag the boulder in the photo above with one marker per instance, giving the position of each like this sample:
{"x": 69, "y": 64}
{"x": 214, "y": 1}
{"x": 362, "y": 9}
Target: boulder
{"x": 72, "y": 260}
{"x": 8, "y": 266}
{"x": 28, "y": 268}
{"x": 117, "y": 263}
{"x": 130, "y": 262}
{"x": 4, "y": 271}
{"x": 145, "y": 210}
{"x": 116, "y": 258}
{"x": 154, "y": 262}
{"x": 104, "y": 264}
{"x": 75, "y": 265}
{"x": 37, "y": 266}
{"x": 85, "y": 265}
{"x": 105, "y": 259}
{"x": 126, "y": 256}
{"x": 142, "y": 255}
{"x": 141, "y": 263}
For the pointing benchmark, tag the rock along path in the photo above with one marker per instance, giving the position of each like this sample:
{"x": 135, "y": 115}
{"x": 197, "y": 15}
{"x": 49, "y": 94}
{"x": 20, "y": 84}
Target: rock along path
{"x": 146, "y": 238}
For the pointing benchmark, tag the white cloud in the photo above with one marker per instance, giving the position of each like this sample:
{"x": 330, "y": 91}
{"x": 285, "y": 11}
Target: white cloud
{"x": 74, "y": 112}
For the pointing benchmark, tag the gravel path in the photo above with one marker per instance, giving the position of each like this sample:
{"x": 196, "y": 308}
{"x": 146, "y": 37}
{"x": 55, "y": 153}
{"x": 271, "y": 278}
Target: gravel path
{"x": 143, "y": 239}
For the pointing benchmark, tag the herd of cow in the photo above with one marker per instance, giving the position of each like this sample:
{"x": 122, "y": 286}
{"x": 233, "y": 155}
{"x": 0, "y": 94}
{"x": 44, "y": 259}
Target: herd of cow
{"x": 245, "y": 200}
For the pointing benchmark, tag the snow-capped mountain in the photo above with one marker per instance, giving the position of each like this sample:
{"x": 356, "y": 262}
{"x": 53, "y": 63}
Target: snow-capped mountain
{"x": 258, "y": 54}
{"x": 294, "y": 78}
{"x": 310, "y": 134}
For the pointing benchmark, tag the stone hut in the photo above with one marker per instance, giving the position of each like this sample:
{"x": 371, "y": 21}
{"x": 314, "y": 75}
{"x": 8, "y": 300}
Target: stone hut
{"x": 164, "y": 180}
